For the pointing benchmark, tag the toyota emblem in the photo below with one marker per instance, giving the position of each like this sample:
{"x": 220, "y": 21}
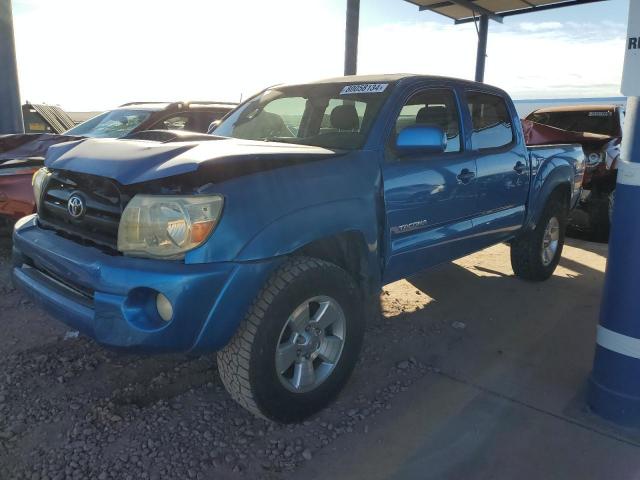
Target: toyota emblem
{"x": 75, "y": 206}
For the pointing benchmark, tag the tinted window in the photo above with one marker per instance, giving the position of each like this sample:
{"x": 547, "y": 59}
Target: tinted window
{"x": 491, "y": 121}
{"x": 435, "y": 108}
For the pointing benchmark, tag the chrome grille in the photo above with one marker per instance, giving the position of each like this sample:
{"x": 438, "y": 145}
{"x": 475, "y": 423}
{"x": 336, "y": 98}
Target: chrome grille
{"x": 103, "y": 202}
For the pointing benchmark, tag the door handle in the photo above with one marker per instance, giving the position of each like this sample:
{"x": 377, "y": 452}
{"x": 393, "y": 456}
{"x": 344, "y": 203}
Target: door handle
{"x": 520, "y": 168}
{"x": 466, "y": 175}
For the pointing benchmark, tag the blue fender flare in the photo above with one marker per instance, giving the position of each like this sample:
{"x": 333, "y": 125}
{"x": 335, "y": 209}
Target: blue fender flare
{"x": 553, "y": 174}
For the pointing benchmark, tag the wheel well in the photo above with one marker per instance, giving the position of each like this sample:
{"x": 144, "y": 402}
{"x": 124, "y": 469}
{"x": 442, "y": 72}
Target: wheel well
{"x": 348, "y": 250}
{"x": 563, "y": 194}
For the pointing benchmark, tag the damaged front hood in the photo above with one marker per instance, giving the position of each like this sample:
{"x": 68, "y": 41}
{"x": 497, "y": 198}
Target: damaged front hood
{"x": 135, "y": 161}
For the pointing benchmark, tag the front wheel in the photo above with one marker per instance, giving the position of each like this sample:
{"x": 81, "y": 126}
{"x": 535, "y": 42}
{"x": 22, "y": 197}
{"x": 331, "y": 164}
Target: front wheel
{"x": 298, "y": 344}
{"x": 536, "y": 254}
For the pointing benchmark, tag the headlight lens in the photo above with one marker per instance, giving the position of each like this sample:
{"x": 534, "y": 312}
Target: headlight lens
{"x": 167, "y": 226}
{"x": 37, "y": 181}
{"x": 594, "y": 158}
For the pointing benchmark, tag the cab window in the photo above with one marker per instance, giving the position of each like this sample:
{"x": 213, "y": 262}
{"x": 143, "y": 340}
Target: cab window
{"x": 434, "y": 108}
{"x": 178, "y": 122}
{"x": 491, "y": 121}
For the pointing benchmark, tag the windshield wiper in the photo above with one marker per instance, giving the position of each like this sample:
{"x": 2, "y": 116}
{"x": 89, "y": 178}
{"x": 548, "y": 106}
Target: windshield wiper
{"x": 279, "y": 140}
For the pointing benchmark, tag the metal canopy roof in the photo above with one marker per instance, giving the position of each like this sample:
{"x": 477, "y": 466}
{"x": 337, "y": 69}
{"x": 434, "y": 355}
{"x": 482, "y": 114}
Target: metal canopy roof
{"x": 463, "y": 11}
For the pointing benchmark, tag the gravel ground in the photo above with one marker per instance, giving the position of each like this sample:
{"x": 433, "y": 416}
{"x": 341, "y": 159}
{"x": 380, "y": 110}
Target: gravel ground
{"x": 71, "y": 409}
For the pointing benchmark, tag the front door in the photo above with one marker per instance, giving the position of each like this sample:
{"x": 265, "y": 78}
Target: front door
{"x": 429, "y": 198}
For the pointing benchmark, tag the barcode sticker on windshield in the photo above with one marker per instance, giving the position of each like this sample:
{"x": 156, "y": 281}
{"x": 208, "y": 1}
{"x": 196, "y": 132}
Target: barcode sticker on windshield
{"x": 364, "y": 88}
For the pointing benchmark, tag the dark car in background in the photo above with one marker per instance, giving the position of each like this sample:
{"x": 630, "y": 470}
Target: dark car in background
{"x": 22, "y": 154}
{"x": 598, "y": 128}
{"x": 139, "y": 116}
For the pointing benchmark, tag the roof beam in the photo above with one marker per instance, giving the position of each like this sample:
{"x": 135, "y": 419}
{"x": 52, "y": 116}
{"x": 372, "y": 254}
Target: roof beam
{"x": 470, "y": 5}
{"x": 536, "y": 8}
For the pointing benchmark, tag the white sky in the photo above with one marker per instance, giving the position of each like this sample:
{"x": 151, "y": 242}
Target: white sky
{"x": 95, "y": 54}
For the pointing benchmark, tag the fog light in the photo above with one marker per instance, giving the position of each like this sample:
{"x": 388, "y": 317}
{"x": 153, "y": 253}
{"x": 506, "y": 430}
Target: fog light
{"x": 165, "y": 309}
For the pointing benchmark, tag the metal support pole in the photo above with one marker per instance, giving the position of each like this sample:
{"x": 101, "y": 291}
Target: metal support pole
{"x": 614, "y": 385}
{"x": 483, "y": 33}
{"x": 351, "y": 37}
{"x": 10, "y": 108}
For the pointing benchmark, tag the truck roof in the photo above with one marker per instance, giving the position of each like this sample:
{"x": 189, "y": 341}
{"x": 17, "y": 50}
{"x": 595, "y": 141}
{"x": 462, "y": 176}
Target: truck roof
{"x": 396, "y": 77}
{"x": 578, "y": 108}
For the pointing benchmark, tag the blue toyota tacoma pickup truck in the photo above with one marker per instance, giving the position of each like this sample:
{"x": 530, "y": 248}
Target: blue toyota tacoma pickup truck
{"x": 266, "y": 241}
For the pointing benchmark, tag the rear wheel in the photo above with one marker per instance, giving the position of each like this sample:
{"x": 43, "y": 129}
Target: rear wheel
{"x": 298, "y": 345}
{"x": 536, "y": 254}
{"x": 601, "y": 208}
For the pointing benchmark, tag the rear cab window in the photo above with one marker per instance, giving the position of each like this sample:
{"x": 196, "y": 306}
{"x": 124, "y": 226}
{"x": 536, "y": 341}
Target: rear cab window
{"x": 491, "y": 121}
{"x": 180, "y": 121}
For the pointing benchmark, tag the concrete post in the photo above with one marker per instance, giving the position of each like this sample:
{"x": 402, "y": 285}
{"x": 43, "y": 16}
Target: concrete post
{"x": 481, "y": 57}
{"x": 614, "y": 386}
{"x": 10, "y": 108}
{"x": 351, "y": 37}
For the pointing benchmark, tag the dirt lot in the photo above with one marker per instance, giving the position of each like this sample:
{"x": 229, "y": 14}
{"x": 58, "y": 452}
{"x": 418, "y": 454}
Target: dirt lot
{"x": 71, "y": 409}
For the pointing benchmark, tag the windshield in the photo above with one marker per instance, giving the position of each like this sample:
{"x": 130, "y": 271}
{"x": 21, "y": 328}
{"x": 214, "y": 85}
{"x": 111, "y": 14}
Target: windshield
{"x": 335, "y": 116}
{"x": 111, "y": 124}
{"x": 603, "y": 122}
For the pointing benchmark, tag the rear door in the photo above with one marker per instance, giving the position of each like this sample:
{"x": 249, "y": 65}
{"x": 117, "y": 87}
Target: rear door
{"x": 503, "y": 173}
{"x": 429, "y": 198}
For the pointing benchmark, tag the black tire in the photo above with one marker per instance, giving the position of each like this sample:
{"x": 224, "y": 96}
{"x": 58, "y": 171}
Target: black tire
{"x": 600, "y": 216}
{"x": 247, "y": 365}
{"x": 527, "y": 250}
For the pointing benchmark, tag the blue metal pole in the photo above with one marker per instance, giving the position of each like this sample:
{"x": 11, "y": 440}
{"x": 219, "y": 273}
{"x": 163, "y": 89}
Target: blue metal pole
{"x": 614, "y": 385}
{"x": 10, "y": 108}
{"x": 351, "y": 37}
{"x": 481, "y": 57}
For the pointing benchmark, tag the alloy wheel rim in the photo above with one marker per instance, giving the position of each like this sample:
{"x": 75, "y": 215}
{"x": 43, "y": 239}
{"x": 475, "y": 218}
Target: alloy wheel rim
{"x": 550, "y": 241}
{"x": 310, "y": 344}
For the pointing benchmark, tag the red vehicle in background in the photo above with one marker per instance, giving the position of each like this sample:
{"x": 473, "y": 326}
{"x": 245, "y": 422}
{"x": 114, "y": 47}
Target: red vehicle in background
{"x": 20, "y": 157}
{"x": 598, "y": 128}
{"x": 22, "y": 154}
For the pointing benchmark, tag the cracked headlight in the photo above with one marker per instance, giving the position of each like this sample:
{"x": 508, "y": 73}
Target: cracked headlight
{"x": 167, "y": 226}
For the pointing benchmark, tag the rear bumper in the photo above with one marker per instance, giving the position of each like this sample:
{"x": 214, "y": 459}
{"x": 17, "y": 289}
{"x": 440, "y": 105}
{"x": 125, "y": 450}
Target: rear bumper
{"x": 112, "y": 298}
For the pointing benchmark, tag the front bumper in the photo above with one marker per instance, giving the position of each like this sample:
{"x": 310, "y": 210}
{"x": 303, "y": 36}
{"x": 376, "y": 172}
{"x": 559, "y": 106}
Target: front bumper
{"x": 112, "y": 298}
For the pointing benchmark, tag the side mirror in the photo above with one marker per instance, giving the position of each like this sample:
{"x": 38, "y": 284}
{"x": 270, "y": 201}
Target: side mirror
{"x": 421, "y": 139}
{"x": 213, "y": 125}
